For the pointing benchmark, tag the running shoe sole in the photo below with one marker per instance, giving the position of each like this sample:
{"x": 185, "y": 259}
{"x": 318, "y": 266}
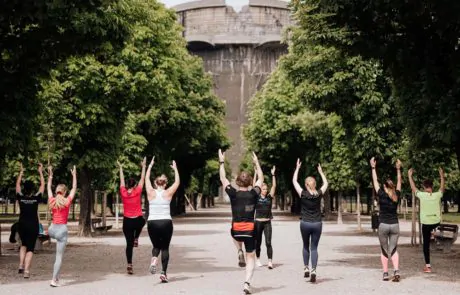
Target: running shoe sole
{"x": 20, "y": 271}
{"x": 246, "y": 291}
{"x": 312, "y": 278}
{"x": 396, "y": 278}
{"x": 153, "y": 269}
{"x": 306, "y": 274}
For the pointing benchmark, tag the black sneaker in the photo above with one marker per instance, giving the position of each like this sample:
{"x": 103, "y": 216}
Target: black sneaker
{"x": 241, "y": 261}
{"x": 313, "y": 275}
{"x": 396, "y": 276}
{"x": 386, "y": 277}
{"x": 306, "y": 272}
{"x": 20, "y": 270}
{"x": 246, "y": 288}
{"x": 163, "y": 278}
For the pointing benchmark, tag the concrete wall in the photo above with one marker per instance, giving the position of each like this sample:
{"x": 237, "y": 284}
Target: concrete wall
{"x": 240, "y": 50}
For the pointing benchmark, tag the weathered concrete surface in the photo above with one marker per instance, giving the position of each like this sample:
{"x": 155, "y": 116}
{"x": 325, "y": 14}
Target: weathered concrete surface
{"x": 203, "y": 262}
{"x": 240, "y": 50}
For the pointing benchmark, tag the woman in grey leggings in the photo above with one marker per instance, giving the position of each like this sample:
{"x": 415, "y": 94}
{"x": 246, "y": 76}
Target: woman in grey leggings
{"x": 388, "y": 217}
{"x": 60, "y": 206}
{"x": 311, "y": 225}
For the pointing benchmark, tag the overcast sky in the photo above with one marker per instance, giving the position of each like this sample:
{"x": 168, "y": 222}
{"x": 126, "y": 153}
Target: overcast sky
{"x": 237, "y": 4}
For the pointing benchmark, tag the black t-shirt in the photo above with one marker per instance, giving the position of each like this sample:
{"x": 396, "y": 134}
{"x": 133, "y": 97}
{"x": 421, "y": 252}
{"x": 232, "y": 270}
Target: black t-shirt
{"x": 264, "y": 207}
{"x": 29, "y": 207}
{"x": 311, "y": 206}
{"x": 243, "y": 203}
{"x": 388, "y": 208}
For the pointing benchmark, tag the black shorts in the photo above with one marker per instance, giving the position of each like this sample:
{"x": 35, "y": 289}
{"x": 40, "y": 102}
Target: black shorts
{"x": 248, "y": 239}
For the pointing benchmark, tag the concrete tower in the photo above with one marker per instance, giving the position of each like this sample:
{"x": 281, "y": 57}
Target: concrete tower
{"x": 240, "y": 50}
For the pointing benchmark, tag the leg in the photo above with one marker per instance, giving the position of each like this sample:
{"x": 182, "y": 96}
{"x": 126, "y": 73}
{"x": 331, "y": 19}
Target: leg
{"x": 128, "y": 231}
{"x": 168, "y": 231}
{"x": 239, "y": 246}
{"x": 61, "y": 238}
{"x": 305, "y": 232}
{"x": 22, "y": 258}
{"x": 315, "y": 236}
{"x": 393, "y": 245}
{"x": 153, "y": 234}
{"x": 384, "y": 232}
{"x": 426, "y": 235}
{"x": 259, "y": 231}
{"x": 249, "y": 244}
{"x": 268, "y": 239}
{"x": 140, "y": 225}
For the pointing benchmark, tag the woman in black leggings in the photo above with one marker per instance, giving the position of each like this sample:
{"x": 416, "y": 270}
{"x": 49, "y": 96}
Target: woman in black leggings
{"x": 28, "y": 224}
{"x": 263, "y": 219}
{"x": 310, "y": 225}
{"x": 133, "y": 220}
{"x": 159, "y": 225}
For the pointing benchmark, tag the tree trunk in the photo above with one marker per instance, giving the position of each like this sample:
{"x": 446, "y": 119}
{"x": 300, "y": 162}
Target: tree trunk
{"x": 327, "y": 205}
{"x": 84, "y": 228}
{"x": 358, "y": 206}
{"x": 339, "y": 208}
{"x": 413, "y": 229}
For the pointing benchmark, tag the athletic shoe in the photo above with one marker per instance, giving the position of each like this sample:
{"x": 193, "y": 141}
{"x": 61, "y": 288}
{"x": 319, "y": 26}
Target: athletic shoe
{"x": 136, "y": 243}
{"x": 396, "y": 276}
{"x": 427, "y": 269}
{"x": 258, "y": 263}
{"x": 306, "y": 272}
{"x": 386, "y": 277}
{"x": 20, "y": 270}
{"x": 54, "y": 283}
{"x": 270, "y": 265}
{"x": 313, "y": 275}
{"x": 246, "y": 288}
{"x": 241, "y": 261}
{"x": 153, "y": 266}
{"x": 26, "y": 274}
{"x": 129, "y": 269}
{"x": 163, "y": 278}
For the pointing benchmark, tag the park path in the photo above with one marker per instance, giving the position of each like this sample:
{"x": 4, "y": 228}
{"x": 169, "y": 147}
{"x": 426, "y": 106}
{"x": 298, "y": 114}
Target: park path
{"x": 203, "y": 261}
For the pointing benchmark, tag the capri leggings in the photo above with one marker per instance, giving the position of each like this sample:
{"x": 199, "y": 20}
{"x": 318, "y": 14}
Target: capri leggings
{"x": 388, "y": 237}
{"x": 160, "y": 233}
{"x": 28, "y": 232}
{"x": 311, "y": 233}
{"x": 132, "y": 228}
{"x": 426, "y": 234}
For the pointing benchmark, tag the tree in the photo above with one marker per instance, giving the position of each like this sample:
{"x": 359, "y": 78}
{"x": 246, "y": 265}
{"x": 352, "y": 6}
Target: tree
{"x": 417, "y": 43}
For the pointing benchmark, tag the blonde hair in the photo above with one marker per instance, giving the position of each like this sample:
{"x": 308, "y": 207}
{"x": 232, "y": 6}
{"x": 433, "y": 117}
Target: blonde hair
{"x": 60, "y": 201}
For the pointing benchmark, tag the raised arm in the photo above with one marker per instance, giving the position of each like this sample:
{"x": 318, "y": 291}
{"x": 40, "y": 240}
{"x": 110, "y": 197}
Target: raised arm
{"x": 375, "y": 180}
{"x": 41, "y": 189}
{"x": 411, "y": 180}
{"x": 295, "y": 177}
{"x": 50, "y": 181}
{"x": 141, "y": 182}
{"x": 323, "y": 179}
{"x": 74, "y": 183}
{"x": 255, "y": 177}
{"x": 260, "y": 174}
{"x": 19, "y": 180}
{"x": 442, "y": 181}
{"x": 273, "y": 189}
{"x": 148, "y": 183}
{"x": 122, "y": 176}
{"x": 173, "y": 188}
{"x": 398, "y": 172}
{"x": 223, "y": 178}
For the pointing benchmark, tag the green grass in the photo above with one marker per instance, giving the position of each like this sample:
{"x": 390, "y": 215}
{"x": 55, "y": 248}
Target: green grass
{"x": 451, "y": 218}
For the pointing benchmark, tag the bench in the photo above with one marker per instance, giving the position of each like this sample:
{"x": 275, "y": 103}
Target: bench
{"x": 445, "y": 236}
{"x": 98, "y": 227}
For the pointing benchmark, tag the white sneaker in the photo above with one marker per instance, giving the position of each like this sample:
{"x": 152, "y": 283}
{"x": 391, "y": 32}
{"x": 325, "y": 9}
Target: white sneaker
{"x": 258, "y": 263}
{"x": 54, "y": 283}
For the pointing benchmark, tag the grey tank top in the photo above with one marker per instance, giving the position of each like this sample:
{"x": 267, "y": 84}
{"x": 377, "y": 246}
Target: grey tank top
{"x": 159, "y": 207}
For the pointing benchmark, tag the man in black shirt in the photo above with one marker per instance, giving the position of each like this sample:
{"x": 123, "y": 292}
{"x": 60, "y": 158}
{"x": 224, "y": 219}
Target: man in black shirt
{"x": 243, "y": 202}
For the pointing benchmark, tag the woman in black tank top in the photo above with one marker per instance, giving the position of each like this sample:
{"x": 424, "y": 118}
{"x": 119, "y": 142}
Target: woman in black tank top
{"x": 243, "y": 202}
{"x": 263, "y": 219}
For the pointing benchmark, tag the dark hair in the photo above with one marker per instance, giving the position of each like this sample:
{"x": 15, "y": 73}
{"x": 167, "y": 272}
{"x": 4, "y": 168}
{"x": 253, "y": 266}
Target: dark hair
{"x": 161, "y": 180}
{"x": 131, "y": 183}
{"x": 244, "y": 179}
{"x": 389, "y": 184}
{"x": 392, "y": 188}
{"x": 28, "y": 187}
{"x": 427, "y": 183}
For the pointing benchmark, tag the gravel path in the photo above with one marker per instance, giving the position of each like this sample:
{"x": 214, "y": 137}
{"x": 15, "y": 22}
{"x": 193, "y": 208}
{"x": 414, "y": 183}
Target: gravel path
{"x": 203, "y": 261}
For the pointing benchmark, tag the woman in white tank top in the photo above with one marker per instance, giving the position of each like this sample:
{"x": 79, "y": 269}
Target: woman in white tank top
{"x": 159, "y": 224}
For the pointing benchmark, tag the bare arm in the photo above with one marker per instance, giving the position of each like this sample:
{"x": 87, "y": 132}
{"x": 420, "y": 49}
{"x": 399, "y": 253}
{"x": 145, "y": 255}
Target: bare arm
{"x": 375, "y": 180}
{"x": 148, "y": 183}
{"x": 50, "y": 181}
{"x": 41, "y": 189}
{"x": 260, "y": 174}
{"x": 223, "y": 178}
{"x": 442, "y": 182}
{"x": 411, "y": 180}
{"x": 398, "y": 172}
{"x": 74, "y": 183}
{"x": 273, "y": 189}
{"x": 19, "y": 180}
{"x": 173, "y": 188}
{"x": 122, "y": 176}
{"x": 323, "y": 178}
{"x": 255, "y": 177}
{"x": 141, "y": 182}
{"x": 295, "y": 177}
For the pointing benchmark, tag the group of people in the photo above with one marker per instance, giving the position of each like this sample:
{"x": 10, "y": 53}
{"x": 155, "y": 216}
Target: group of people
{"x": 251, "y": 205}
